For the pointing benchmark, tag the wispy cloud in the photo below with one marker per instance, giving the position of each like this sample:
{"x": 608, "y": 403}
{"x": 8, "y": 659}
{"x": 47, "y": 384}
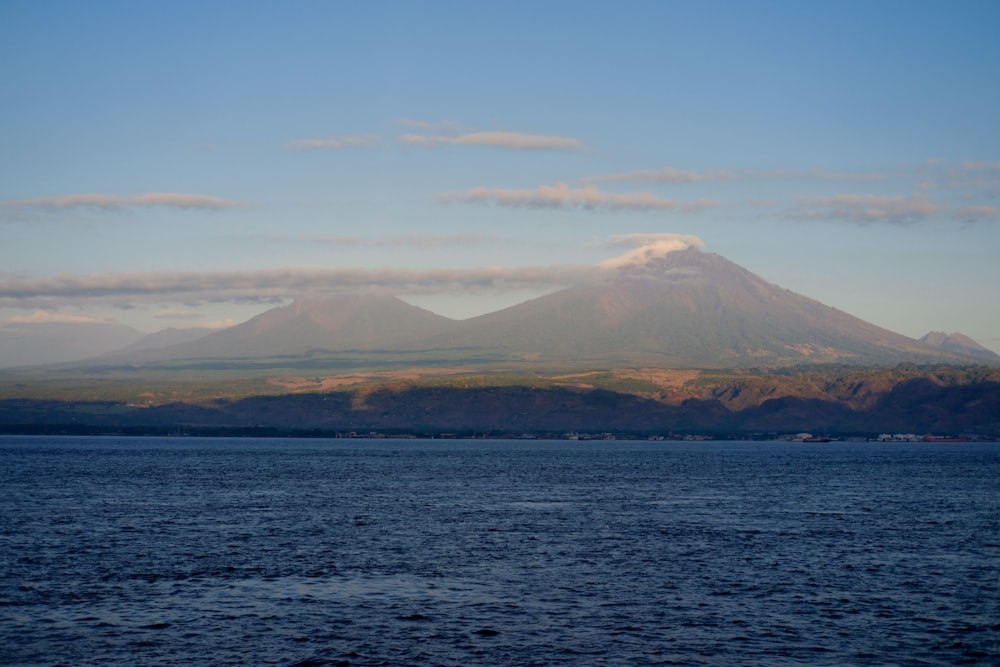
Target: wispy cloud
{"x": 450, "y": 126}
{"x": 981, "y": 166}
{"x": 174, "y": 314}
{"x": 659, "y": 176}
{"x": 812, "y": 174}
{"x": 120, "y": 289}
{"x": 334, "y": 143}
{"x": 403, "y": 240}
{"x": 973, "y": 177}
{"x": 981, "y": 176}
{"x": 49, "y": 317}
{"x": 513, "y": 140}
{"x": 675, "y": 176}
{"x": 186, "y": 290}
{"x": 189, "y": 316}
{"x": 562, "y": 195}
{"x": 647, "y": 248}
{"x": 979, "y": 213}
{"x": 864, "y": 208}
{"x": 117, "y": 202}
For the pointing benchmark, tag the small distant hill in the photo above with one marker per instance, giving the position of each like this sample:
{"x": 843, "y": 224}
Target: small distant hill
{"x": 959, "y": 343}
{"x": 36, "y": 343}
{"x": 354, "y": 322}
{"x": 166, "y": 338}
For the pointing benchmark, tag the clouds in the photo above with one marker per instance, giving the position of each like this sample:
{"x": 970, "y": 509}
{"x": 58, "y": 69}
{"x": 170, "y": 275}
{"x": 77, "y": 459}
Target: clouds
{"x": 647, "y": 248}
{"x": 110, "y": 202}
{"x": 562, "y": 195}
{"x": 512, "y": 140}
{"x": 659, "y": 176}
{"x": 978, "y": 214}
{"x": 449, "y": 126}
{"x": 268, "y": 285}
{"x": 865, "y": 208}
{"x": 335, "y": 143}
{"x": 675, "y": 176}
{"x": 128, "y": 289}
{"x": 443, "y": 133}
{"x": 787, "y": 190}
{"x": 400, "y": 240}
{"x": 47, "y": 317}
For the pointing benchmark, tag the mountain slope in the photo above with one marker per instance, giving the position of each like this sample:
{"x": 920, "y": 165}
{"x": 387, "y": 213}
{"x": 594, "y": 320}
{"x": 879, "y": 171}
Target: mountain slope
{"x": 35, "y": 343}
{"x": 166, "y": 338}
{"x": 363, "y": 322}
{"x": 959, "y": 343}
{"x": 687, "y": 308}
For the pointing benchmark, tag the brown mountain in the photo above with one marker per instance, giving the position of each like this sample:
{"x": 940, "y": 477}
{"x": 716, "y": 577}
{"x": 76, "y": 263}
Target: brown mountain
{"x": 341, "y": 323}
{"x": 960, "y": 343}
{"x": 166, "y": 338}
{"x": 687, "y": 309}
{"x": 35, "y": 343}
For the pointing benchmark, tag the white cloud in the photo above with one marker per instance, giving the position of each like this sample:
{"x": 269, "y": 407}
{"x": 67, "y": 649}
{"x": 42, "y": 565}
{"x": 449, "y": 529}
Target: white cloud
{"x": 121, "y": 289}
{"x": 979, "y": 213}
{"x": 649, "y": 247}
{"x": 113, "y": 202}
{"x": 979, "y": 175}
{"x": 449, "y": 126}
{"x": 48, "y": 317}
{"x": 865, "y": 208}
{"x": 674, "y": 176}
{"x": 334, "y": 143}
{"x": 171, "y": 314}
{"x": 189, "y": 289}
{"x": 814, "y": 174}
{"x": 981, "y": 166}
{"x": 189, "y": 315}
{"x": 514, "y": 140}
{"x": 562, "y": 195}
{"x": 665, "y": 175}
{"x": 403, "y": 240}
{"x": 701, "y": 204}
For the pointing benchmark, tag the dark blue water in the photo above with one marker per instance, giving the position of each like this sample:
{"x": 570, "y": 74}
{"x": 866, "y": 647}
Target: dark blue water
{"x": 292, "y": 552}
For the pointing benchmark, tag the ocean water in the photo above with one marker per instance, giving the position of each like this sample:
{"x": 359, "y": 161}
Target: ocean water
{"x": 350, "y": 552}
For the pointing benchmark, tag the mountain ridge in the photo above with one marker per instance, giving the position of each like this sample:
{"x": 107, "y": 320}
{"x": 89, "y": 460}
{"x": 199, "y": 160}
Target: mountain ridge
{"x": 958, "y": 342}
{"x": 684, "y": 309}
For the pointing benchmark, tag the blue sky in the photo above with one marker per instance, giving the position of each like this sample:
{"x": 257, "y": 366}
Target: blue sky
{"x": 180, "y": 164}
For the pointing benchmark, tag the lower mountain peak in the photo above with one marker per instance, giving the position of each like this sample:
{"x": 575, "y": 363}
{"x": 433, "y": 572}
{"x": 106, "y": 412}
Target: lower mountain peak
{"x": 959, "y": 343}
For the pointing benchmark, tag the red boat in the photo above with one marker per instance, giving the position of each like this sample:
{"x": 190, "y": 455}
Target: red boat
{"x": 944, "y": 438}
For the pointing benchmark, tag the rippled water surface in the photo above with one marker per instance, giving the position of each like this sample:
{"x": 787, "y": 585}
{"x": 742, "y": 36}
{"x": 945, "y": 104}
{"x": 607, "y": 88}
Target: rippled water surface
{"x": 346, "y": 552}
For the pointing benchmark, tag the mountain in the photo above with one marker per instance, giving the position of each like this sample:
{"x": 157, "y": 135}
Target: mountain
{"x": 35, "y": 343}
{"x": 341, "y": 323}
{"x": 166, "y": 338}
{"x": 959, "y": 343}
{"x": 944, "y": 401}
{"x": 686, "y": 309}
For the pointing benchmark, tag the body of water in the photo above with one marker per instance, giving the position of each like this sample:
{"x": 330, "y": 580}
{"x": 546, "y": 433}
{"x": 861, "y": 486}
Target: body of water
{"x": 346, "y": 552}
